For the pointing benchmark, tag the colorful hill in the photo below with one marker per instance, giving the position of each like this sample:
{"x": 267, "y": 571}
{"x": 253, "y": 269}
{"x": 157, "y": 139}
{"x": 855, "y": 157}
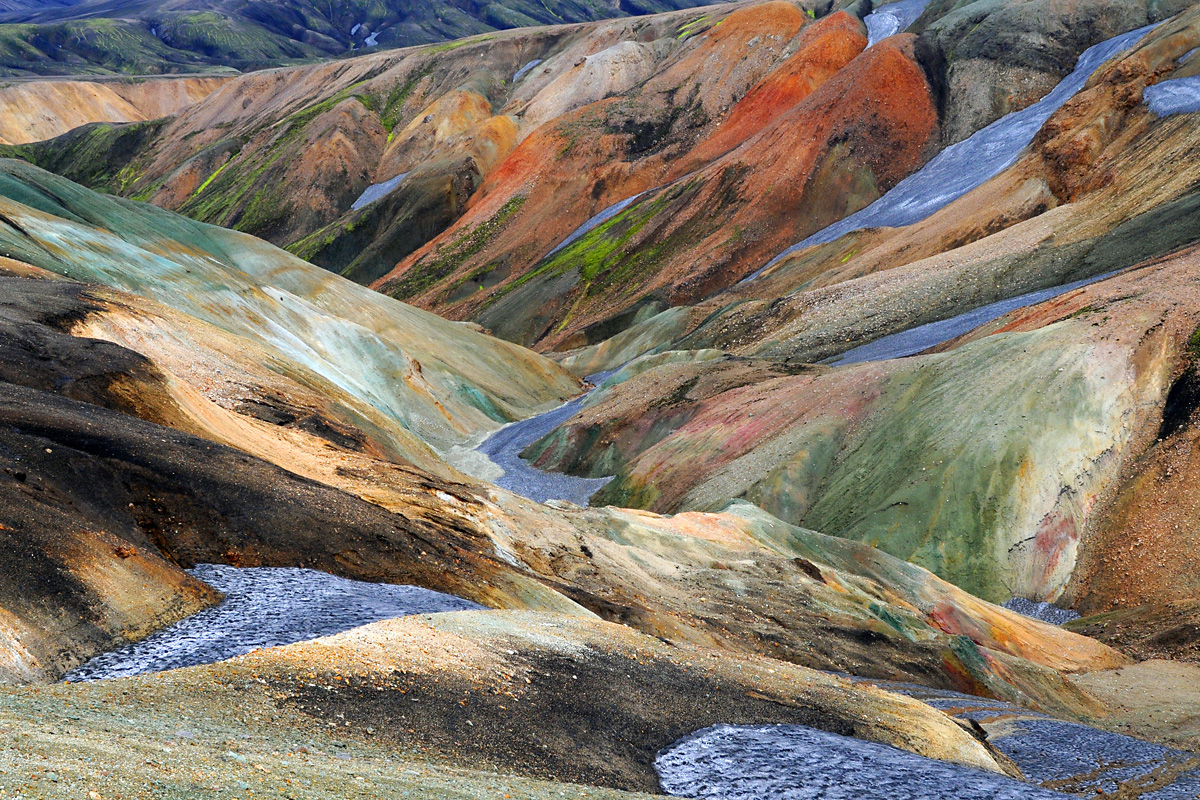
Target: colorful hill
{"x": 742, "y": 371}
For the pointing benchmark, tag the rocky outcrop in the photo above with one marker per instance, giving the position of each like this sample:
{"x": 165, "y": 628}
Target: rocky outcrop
{"x": 996, "y": 58}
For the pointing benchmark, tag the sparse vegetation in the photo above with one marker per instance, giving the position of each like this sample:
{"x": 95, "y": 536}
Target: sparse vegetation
{"x": 106, "y": 157}
{"x": 212, "y": 36}
{"x": 447, "y": 260}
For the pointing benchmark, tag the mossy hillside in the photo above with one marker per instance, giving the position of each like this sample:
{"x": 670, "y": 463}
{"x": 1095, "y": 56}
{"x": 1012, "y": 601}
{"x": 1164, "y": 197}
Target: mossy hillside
{"x": 497, "y": 16}
{"x": 140, "y": 223}
{"x": 208, "y": 181}
{"x": 532, "y": 304}
{"x": 311, "y": 247}
{"x": 446, "y": 261}
{"x": 622, "y": 492}
{"x": 174, "y": 36}
{"x": 106, "y": 157}
{"x": 366, "y": 244}
{"x": 963, "y": 445}
{"x": 231, "y": 186}
{"x": 614, "y": 261}
{"x": 392, "y": 109}
{"x": 697, "y": 26}
{"x": 248, "y": 193}
{"x": 240, "y": 194}
{"x": 246, "y": 189}
{"x": 593, "y": 253}
{"x": 98, "y": 46}
{"x": 218, "y": 37}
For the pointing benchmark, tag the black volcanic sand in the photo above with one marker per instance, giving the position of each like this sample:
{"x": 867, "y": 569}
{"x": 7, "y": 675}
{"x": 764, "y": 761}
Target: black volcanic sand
{"x": 187, "y": 736}
{"x": 530, "y": 694}
{"x": 557, "y": 698}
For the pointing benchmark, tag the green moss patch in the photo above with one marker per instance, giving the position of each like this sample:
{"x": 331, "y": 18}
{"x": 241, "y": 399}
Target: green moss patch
{"x": 424, "y": 275}
{"x": 105, "y": 157}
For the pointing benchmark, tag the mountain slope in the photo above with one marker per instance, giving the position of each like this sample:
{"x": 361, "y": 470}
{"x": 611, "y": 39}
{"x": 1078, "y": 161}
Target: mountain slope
{"x": 860, "y": 379}
{"x": 415, "y": 369}
{"x": 137, "y": 37}
{"x": 1016, "y": 448}
{"x": 46, "y": 109}
{"x": 455, "y": 178}
{"x": 221, "y": 414}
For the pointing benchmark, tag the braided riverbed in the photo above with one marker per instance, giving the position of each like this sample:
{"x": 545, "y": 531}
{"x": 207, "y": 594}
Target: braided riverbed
{"x": 1058, "y": 758}
{"x": 265, "y": 607}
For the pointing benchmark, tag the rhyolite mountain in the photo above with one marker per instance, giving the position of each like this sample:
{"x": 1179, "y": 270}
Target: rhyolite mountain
{"x": 888, "y": 330}
{"x": 170, "y": 328}
{"x": 154, "y": 417}
{"x": 747, "y": 128}
{"x": 139, "y": 38}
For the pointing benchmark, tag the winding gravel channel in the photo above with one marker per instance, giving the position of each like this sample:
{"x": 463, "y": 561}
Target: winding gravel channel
{"x": 1060, "y": 759}
{"x": 503, "y": 448}
{"x": 791, "y": 762}
{"x": 265, "y": 607}
{"x": 914, "y": 340}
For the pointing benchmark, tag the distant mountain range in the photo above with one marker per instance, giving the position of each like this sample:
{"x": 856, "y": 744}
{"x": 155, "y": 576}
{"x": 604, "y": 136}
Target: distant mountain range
{"x": 60, "y": 37}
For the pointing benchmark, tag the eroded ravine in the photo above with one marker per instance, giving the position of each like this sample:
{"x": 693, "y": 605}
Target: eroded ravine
{"x": 914, "y": 340}
{"x": 503, "y": 451}
{"x": 968, "y": 164}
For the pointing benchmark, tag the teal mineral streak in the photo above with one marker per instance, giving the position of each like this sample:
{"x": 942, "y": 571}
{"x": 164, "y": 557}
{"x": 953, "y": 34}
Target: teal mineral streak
{"x": 362, "y": 342}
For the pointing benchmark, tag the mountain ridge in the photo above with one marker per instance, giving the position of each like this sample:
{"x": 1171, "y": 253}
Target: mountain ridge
{"x": 137, "y": 37}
